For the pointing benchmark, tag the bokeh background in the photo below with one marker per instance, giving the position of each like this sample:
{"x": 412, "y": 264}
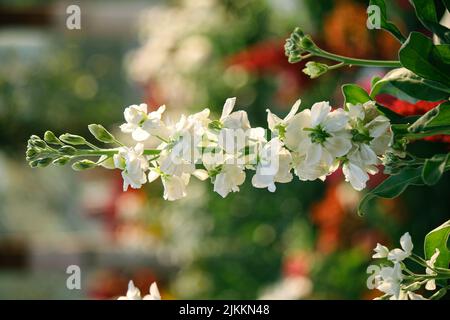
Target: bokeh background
{"x": 303, "y": 242}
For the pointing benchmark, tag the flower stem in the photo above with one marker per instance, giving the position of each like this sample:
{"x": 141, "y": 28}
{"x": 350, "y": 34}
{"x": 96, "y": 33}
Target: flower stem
{"x": 108, "y": 152}
{"x": 354, "y": 61}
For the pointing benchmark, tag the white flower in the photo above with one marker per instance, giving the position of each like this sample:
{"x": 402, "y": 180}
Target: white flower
{"x": 277, "y": 125}
{"x": 389, "y": 280}
{"x": 175, "y": 187}
{"x": 181, "y": 152}
{"x": 380, "y": 251}
{"x": 140, "y": 124}
{"x": 229, "y": 179}
{"x": 357, "y": 174}
{"x": 234, "y": 120}
{"x": 319, "y": 138}
{"x": 431, "y": 284}
{"x": 274, "y": 166}
{"x": 133, "y": 293}
{"x": 370, "y": 137}
{"x": 154, "y": 293}
{"x": 397, "y": 255}
{"x": 134, "y": 164}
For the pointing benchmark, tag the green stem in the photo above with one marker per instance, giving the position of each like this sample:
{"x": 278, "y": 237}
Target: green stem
{"x": 108, "y": 152}
{"x": 356, "y": 62}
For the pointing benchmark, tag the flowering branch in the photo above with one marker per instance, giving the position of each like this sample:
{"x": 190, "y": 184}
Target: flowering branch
{"x": 298, "y": 44}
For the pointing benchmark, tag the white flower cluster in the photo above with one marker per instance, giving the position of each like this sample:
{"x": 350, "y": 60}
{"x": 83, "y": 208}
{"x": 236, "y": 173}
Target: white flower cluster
{"x": 389, "y": 278}
{"x": 134, "y": 293}
{"x": 312, "y": 144}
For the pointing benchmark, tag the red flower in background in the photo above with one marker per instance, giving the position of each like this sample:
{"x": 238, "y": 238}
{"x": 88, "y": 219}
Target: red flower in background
{"x": 268, "y": 58}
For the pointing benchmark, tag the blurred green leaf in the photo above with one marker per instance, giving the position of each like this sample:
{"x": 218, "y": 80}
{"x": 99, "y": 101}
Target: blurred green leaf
{"x": 425, "y": 59}
{"x": 435, "y": 121}
{"x": 393, "y": 186}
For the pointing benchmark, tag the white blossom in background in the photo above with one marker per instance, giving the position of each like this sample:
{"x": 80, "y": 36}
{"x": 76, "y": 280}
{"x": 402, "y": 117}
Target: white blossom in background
{"x": 393, "y": 276}
{"x": 153, "y": 293}
{"x": 134, "y": 293}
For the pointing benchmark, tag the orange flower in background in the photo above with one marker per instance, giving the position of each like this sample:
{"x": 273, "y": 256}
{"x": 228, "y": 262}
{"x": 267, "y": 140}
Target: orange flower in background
{"x": 345, "y": 30}
{"x": 346, "y": 33}
{"x": 328, "y": 214}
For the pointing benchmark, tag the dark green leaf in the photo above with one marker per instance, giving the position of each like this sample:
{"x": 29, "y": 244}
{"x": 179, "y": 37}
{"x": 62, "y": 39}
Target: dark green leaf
{"x": 393, "y": 186}
{"x": 401, "y": 81}
{"x": 426, "y": 12}
{"x": 354, "y": 94}
{"x": 438, "y": 238}
{"x": 435, "y": 121}
{"x": 434, "y": 168}
{"x": 385, "y": 24}
{"x": 425, "y": 59}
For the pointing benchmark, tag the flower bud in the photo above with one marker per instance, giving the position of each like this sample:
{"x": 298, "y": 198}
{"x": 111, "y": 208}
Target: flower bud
{"x": 101, "y": 134}
{"x": 68, "y": 150}
{"x": 83, "y": 165}
{"x": 35, "y": 141}
{"x": 61, "y": 160}
{"x": 315, "y": 69}
{"x": 72, "y": 139}
{"x": 50, "y": 137}
{"x": 41, "y": 163}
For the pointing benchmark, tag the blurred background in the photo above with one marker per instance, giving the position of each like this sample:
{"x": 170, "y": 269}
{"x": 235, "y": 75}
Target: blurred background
{"x": 303, "y": 242}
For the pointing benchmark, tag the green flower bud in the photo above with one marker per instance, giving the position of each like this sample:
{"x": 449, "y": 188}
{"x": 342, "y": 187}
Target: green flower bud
{"x": 50, "y": 137}
{"x": 315, "y": 69}
{"x": 41, "y": 163}
{"x": 68, "y": 150}
{"x": 215, "y": 125}
{"x": 61, "y": 160}
{"x": 33, "y": 163}
{"x": 37, "y": 142}
{"x": 307, "y": 43}
{"x": 83, "y": 165}
{"x": 101, "y": 134}
{"x": 72, "y": 139}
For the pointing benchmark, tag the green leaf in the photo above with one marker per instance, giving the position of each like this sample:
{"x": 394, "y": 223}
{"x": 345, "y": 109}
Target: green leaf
{"x": 393, "y": 186}
{"x": 385, "y": 24}
{"x": 438, "y": 238}
{"x": 394, "y": 117}
{"x": 425, "y": 59}
{"x": 426, "y": 12}
{"x": 446, "y": 4}
{"x": 400, "y": 82}
{"x": 354, "y": 94}
{"x": 434, "y": 168}
{"x": 435, "y": 121}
